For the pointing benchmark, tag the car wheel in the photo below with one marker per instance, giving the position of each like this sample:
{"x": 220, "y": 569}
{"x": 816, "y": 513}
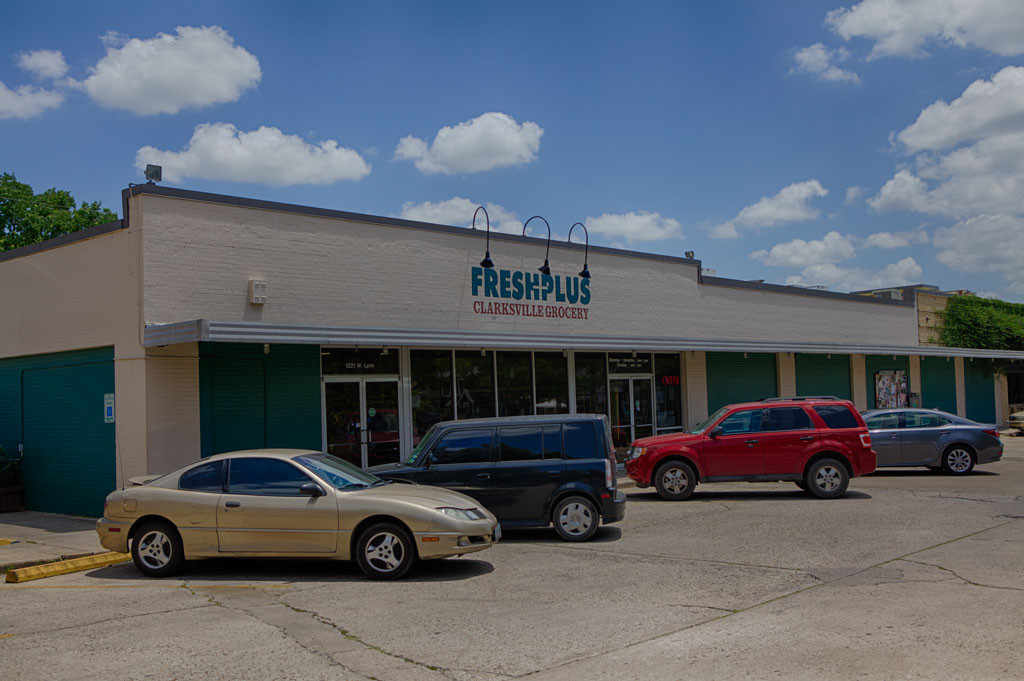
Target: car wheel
{"x": 958, "y": 460}
{"x": 157, "y": 550}
{"x": 575, "y": 519}
{"x": 675, "y": 480}
{"x": 827, "y": 479}
{"x": 385, "y": 551}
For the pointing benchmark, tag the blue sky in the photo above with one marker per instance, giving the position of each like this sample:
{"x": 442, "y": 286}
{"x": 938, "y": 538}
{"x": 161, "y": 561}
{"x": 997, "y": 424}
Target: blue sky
{"x": 844, "y": 144}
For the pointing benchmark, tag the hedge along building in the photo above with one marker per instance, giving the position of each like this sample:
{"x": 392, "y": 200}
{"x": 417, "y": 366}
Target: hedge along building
{"x": 204, "y": 323}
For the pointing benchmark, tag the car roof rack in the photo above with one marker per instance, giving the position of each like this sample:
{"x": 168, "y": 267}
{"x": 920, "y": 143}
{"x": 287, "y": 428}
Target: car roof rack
{"x": 798, "y": 399}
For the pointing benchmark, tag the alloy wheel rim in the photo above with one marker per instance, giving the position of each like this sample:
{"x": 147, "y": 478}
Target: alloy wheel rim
{"x": 385, "y": 551}
{"x": 155, "y": 549}
{"x": 575, "y": 518}
{"x": 827, "y": 478}
{"x": 675, "y": 480}
{"x": 959, "y": 461}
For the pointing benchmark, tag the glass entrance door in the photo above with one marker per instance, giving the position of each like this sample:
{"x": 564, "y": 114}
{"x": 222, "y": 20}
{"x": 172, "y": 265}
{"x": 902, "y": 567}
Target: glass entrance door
{"x": 631, "y": 414}
{"x": 361, "y": 419}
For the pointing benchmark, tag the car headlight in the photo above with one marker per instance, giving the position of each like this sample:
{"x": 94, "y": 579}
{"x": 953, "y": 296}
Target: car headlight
{"x": 463, "y": 513}
{"x": 635, "y": 453}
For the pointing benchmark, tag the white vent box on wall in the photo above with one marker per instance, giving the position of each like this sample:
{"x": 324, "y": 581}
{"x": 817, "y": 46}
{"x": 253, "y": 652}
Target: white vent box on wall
{"x": 257, "y": 291}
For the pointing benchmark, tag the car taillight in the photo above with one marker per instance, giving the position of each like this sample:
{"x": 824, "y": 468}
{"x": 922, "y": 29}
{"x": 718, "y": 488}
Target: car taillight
{"x": 609, "y": 474}
{"x": 991, "y": 431}
{"x": 865, "y": 439}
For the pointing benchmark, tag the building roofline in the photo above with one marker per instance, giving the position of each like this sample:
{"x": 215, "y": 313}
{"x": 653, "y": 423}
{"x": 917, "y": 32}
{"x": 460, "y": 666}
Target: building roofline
{"x": 62, "y": 240}
{"x": 260, "y": 204}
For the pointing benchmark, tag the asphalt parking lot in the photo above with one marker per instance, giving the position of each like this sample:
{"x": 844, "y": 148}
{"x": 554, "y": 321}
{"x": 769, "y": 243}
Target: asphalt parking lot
{"x": 913, "y": 575}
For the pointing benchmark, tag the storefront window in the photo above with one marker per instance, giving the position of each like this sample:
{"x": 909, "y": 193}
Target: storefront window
{"x": 552, "y": 382}
{"x": 474, "y": 384}
{"x": 668, "y": 391}
{"x": 431, "y": 389}
{"x": 515, "y": 384}
{"x": 591, "y": 383}
{"x": 337, "y": 361}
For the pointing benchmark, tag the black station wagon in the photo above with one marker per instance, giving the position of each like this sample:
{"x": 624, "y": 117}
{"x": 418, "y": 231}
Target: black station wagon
{"x": 529, "y": 471}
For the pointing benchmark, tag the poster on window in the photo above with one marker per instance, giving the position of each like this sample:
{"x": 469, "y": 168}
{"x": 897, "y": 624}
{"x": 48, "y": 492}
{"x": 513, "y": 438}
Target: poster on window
{"x": 890, "y": 389}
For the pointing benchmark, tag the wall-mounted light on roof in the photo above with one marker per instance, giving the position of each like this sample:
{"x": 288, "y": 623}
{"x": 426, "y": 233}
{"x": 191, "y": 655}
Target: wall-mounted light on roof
{"x": 486, "y": 262}
{"x": 545, "y": 268}
{"x": 689, "y": 254}
{"x": 153, "y": 173}
{"x": 585, "y": 273}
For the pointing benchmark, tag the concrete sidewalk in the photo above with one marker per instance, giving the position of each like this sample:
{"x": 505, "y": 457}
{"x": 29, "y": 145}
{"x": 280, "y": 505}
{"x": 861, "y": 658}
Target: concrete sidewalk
{"x": 45, "y": 537}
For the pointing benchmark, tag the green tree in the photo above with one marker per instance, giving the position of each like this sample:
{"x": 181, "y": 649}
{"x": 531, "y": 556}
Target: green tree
{"x": 972, "y": 322}
{"x": 27, "y": 218}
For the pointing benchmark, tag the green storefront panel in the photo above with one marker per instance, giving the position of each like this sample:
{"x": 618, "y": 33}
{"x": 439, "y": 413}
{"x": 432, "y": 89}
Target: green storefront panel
{"x": 823, "y": 375}
{"x": 938, "y": 383}
{"x": 875, "y": 363}
{"x": 54, "y": 405}
{"x": 740, "y": 377}
{"x": 250, "y": 399}
{"x": 979, "y": 391}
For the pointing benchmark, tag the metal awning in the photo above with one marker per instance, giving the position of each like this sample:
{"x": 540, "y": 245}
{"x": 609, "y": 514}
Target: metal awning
{"x": 302, "y": 334}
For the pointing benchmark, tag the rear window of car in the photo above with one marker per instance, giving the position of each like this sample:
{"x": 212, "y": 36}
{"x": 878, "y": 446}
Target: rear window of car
{"x": 581, "y": 440}
{"x": 918, "y": 420}
{"x": 837, "y": 416}
{"x": 208, "y": 477}
{"x": 789, "y": 418}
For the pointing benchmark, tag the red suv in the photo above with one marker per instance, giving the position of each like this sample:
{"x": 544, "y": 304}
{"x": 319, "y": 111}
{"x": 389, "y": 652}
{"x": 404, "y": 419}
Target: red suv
{"x": 817, "y": 442}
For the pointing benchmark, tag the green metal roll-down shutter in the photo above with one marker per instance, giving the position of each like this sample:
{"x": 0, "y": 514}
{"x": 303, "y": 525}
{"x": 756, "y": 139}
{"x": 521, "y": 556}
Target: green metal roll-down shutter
{"x": 823, "y": 375}
{"x": 938, "y": 383}
{"x": 732, "y": 378}
{"x": 980, "y": 391}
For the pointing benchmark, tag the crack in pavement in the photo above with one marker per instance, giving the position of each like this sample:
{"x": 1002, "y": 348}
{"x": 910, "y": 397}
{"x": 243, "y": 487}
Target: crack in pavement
{"x": 118, "y": 618}
{"x": 962, "y": 579}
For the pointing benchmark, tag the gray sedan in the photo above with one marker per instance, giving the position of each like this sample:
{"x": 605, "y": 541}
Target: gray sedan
{"x": 932, "y": 438}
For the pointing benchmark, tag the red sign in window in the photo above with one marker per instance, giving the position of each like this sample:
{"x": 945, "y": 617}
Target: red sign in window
{"x": 670, "y": 380}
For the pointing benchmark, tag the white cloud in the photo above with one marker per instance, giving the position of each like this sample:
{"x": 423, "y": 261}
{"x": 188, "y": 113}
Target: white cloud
{"x": 634, "y": 226}
{"x": 43, "y": 63}
{"x": 900, "y": 273}
{"x": 986, "y": 108}
{"x": 817, "y": 59}
{"x": 833, "y": 247}
{"x": 491, "y": 140}
{"x": 901, "y": 28}
{"x": 986, "y": 243}
{"x": 219, "y": 151}
{"x": 459, "y": 212}
{"x": 27, "y": 101}
{"x": 853, "y": 194}
{"x": 916, "y": 237}
{"x": 789, "y": 205}
{"x": 196, "y": 68}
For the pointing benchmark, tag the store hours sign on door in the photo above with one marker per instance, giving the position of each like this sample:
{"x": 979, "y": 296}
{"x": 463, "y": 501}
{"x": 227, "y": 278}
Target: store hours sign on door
{"x": 528, "y": 294}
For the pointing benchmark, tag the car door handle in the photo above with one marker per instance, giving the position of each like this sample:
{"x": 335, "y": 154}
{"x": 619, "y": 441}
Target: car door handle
{"x": 233, "y": 504}
{"x": 483, "y": 476}
{"x": 807, "y": 438}
{"x": 751, "y": 442}
{"x": 893, "y": 436}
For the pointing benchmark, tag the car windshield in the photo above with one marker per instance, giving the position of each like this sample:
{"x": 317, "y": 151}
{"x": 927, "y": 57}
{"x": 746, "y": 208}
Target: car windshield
{"x": 341, "y": 474}
{"x": 703, "y": 425}
{"x": 420, "y": 445}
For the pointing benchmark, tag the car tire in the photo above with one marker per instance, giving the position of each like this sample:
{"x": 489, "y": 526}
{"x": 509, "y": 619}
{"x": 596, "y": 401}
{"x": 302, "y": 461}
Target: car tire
{"x": 675, "y": 480}
{"x": 575, "y": 518}
{"x": 827, "y": 479}
{"x": 957, "y": 460}
{"x": 385, "y": 551}
{"x": 157, "y": 550}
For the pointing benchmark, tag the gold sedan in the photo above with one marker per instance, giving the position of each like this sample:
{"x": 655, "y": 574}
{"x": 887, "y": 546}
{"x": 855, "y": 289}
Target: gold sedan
{"x": 294, "y": 503}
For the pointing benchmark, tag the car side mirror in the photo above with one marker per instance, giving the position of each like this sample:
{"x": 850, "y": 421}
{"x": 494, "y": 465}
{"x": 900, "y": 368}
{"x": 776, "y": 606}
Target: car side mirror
{"x": 311, "y": 489}
{"x": 715, "y": 432}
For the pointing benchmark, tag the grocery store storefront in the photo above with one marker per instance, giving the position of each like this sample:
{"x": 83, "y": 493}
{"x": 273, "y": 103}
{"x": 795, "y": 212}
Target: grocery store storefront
{"x": 229, "y": 323}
